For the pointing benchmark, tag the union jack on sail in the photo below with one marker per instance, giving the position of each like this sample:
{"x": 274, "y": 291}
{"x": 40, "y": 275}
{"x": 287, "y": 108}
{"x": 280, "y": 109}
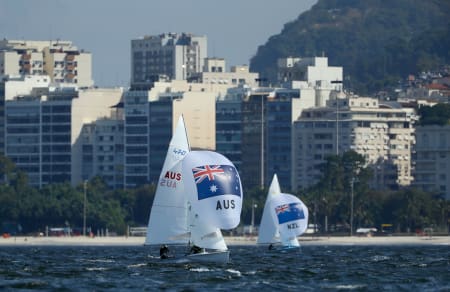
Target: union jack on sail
{"x": 216, "y": 180}
{"x": 289, "y": 212}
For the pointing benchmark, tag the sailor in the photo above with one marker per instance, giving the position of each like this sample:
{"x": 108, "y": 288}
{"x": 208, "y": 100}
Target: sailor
{"x": 195, "y": 249}
{"x": 164, "y": 252}
{"x": 271, "y": 247}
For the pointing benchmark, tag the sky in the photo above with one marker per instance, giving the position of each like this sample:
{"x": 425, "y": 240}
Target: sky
{"x": 234, "y": 28}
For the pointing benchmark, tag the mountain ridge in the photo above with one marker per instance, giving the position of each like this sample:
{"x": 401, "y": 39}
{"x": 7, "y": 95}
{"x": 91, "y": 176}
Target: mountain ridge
{"x": 377, "y": 42}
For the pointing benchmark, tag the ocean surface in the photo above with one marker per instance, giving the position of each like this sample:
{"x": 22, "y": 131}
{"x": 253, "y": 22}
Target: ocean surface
{"x": 312, "y": 268}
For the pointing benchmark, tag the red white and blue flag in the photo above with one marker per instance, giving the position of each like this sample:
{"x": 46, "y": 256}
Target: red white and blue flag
{"x": 289, "y": 212}
{"x": 216, "y": 180}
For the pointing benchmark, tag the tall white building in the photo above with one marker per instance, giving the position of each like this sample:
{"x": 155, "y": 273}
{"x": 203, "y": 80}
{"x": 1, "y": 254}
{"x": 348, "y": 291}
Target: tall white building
{"x": 382, "y": 132}
{"x": 309, "y": 70}
{"x": 214, "y": 72}
{"x": 60, "y": 60}
{"x": 169, "y": 55}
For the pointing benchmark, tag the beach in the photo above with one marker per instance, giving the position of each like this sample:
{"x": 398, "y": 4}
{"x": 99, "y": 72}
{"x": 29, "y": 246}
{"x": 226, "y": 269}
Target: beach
{"x": 234, "y": 240}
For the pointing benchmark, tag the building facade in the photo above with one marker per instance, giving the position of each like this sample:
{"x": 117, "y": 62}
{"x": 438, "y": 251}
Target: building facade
{"x": 267, "y": 119}
{"x": 42, "y": 131}
{"x": 229, "y": 125}
{"x": 382, "y": 132}
{"x": 310, "y": 70}
{"x": 103, "y": 151}
{"x": 60, "y": 60}
{"x": 150, "y": 119}
{"x": 170, "y": 55}
{"x": 214, "y": 72}
{"x": 136, "y": 138}
{"x": 432, "y": 159}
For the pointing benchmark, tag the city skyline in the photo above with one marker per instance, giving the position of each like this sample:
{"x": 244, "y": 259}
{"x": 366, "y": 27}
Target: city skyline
{"x": 109, "y": 36}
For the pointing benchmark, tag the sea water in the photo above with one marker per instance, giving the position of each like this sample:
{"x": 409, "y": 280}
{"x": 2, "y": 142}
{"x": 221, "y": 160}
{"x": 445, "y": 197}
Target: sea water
{"x": 312, "y": 268}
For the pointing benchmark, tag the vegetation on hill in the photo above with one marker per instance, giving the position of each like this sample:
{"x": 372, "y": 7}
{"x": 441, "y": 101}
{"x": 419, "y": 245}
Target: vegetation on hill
{"x": 435, "y": 115}
{"x": 377, "y": 42}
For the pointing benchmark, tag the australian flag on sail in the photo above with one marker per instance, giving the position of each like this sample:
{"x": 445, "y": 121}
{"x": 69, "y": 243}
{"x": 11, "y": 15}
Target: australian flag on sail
{"x": 289, "y": 212}
{"x": 216, "y": 180}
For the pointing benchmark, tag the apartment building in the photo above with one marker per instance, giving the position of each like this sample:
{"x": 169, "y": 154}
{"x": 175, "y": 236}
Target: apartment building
{"x": 229, "y": 124}
{"x": 43, "y": 127}
{"x": 432, "y": 159}
{"x": 13, "y": 86}
{"x": 254, "y": 132}
{"x": 103, "y": 150}
{"x": 215, "y": 72}
{"x": 170, "y": 55}
{"x": 150, "y": 119}
{"x": 382, "y": 132}
{"x": 63, "y": 62}
{"x": 309, "y": 70}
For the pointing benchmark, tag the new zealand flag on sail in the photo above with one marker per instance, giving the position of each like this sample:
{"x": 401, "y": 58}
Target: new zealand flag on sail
{"x": 216, "y": 180}
{"x": 289, "y": 212}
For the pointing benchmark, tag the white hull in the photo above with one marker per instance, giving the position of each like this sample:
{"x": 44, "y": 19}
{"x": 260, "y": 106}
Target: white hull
{"x": 284, "y": 248}
{"x": 221, "y": 256}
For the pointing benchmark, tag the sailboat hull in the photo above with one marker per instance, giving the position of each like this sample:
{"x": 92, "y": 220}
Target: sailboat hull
{"x": 284, "y": 248}
{"x": 221, "y": 256}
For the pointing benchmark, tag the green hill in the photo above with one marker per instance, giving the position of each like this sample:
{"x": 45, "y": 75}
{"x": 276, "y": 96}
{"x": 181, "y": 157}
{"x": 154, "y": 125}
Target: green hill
{"x": 377, "y": 42}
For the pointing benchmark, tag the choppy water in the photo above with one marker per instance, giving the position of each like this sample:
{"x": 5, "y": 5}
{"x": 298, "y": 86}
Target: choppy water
{"x": 359, "y": 268}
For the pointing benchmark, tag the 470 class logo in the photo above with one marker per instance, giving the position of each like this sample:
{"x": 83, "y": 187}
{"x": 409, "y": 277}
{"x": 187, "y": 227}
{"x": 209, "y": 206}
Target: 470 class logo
{"x": 180, "y": 152}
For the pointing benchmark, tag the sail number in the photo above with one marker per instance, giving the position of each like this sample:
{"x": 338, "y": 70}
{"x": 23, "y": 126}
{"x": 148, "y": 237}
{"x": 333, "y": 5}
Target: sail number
{"x": 181, "y": 152}
{"x": 225, "y": 204}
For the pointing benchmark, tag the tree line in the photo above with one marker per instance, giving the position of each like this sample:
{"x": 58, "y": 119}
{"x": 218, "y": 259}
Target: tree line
{"x": 328, "y": 202}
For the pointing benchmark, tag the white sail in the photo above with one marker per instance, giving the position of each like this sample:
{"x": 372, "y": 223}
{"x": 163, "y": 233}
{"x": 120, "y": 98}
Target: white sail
{"x": 291, "y": 216}
{"x": 168, "y": 223}
{"x": 214, "y": 191}
{"x": 268, "y": 231}
{"x": 204, "y": 235}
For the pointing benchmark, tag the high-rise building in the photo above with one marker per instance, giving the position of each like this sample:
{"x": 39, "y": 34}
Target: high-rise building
{"x": 103, "y": 150}
{"x": 229, "y": 124}
{"x": 432, "y": 159}
{"x": 267, "y": 118}
{"x": 60, "y": 60}
{"x": 42, "y": 130}
{"x": 168, "y": 56}
{"x": 11, "y": 87}
{"x": 151, "y": 117}
{"x": 136, "y": 138}
{"x": 382, "y": 132}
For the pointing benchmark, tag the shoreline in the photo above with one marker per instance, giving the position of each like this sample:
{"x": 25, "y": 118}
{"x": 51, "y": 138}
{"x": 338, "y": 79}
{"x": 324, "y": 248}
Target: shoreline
{"x": 230, "y": 240}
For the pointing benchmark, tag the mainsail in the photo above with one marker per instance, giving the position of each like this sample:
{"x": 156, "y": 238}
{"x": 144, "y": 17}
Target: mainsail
{"x": 268, "y": 230}
{"x": 167, "y": 223}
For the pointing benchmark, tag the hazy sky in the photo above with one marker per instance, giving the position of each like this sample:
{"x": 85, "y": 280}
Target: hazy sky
{"x": 234, "y": 28}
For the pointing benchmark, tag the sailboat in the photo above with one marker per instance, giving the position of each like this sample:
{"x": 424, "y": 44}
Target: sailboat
{"x": 167, "y": 223}
{"x": 198, "y": 193}
{"x": 214, "y": 198}
{"x": 285, "y": 217}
